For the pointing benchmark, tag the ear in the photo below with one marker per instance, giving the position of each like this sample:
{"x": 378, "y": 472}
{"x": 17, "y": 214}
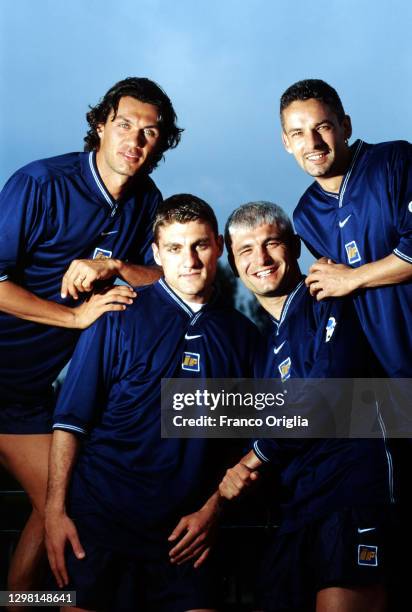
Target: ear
{"x": 347, "y": 127}
{"x": 285, "y": 141}
{"x": 100, "y": 129}
{"x": 156, "y": 254}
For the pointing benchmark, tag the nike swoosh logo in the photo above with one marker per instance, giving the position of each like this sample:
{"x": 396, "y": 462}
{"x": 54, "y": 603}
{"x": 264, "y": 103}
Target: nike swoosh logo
{"x": 192, "y": 337}
{"x": 344, "y": 222}
{"x": 277, "y": 348}
{"x": 108, "y": 233}
{"x": 367, "y": 529}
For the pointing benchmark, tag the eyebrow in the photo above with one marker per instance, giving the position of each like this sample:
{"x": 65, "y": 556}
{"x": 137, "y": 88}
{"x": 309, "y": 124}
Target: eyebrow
{"x": 245, "y": 245}
{"x": 295, "y": 129}
{"x": 205, "y": 240}
{"x": 170, "y": 244}
{"x": 123, "y": 118}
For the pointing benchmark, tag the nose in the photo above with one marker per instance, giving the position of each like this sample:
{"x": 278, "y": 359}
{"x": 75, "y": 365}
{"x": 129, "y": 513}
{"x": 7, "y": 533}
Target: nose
{"x": 141, "y": 138}
{"x": 313, "y": 140}
{"x": 136, "y": 138}
{"x": 190, "y": 258}
{"x": 262, "y": 256}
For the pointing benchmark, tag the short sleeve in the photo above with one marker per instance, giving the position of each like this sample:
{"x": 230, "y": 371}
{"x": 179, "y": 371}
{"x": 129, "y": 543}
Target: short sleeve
{"x": 150, "y": 200}
{"x": 400, "y": 185}
{"x": 22, "y": 222}
{"x": 85, "y": 390}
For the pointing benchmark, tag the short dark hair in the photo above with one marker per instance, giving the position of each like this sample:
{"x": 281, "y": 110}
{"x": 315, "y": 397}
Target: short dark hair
{"x": 312, "y": 88}
{"x": 146, "y": 91}
{"x": 183, "y": 208}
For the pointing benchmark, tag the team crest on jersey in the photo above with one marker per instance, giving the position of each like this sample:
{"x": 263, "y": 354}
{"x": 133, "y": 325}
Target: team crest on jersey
{"x": 367, "y": 555}
{"x": 284, "y": 368}
{"x": 352, "y": 252}
{"x": 101, "y": 253}
{"x": 191, "y": 362}
{"x": 330, "y": 328}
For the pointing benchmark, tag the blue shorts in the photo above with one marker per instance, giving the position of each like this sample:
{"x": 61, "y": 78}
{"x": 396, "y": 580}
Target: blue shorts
{"x": 26, "y": 419}
{"x": 139, "y": 580}
{"x": 349, "y": 548}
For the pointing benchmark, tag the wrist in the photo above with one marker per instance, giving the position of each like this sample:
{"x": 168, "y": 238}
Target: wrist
{"x": 251, "y": 461}
{"x": 68, "y": 317}
{"x": 215, "y": 503}
{"x": 54, "y": 508}
{"x": 118, "y": 267}
{"x": 357, "y": 279}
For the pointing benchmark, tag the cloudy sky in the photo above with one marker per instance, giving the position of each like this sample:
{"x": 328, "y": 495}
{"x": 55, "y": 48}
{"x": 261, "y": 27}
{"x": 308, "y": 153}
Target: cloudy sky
{"x": 224, "y": 63}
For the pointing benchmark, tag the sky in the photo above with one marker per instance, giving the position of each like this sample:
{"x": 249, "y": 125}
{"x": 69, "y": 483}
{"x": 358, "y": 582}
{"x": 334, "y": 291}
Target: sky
{"x": 224, "y": 64}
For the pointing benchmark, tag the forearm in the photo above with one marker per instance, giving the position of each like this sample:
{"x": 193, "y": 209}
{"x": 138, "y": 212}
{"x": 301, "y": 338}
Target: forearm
{"x": 137, "y": 275}
{"x": 17, "y": 301}
{"x": 62, "y": 458}
{"x": 390, "y": 270}
{"x": 214, "y": 503}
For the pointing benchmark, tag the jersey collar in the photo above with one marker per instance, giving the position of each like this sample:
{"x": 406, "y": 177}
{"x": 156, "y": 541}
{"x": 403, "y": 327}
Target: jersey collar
{"x": 174, "y": 298}
{"x": 99, "y": 185}
{"x": 287, "y": 304}
{"x": 357, "y": 146}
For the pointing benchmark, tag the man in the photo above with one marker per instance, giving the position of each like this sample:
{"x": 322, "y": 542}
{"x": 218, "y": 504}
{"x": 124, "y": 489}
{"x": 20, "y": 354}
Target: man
{"x": 128, "y": 486}
{"x": 357, "y": 213}
{"x": 337, "y": 494}
{"x": 84, "y": 218}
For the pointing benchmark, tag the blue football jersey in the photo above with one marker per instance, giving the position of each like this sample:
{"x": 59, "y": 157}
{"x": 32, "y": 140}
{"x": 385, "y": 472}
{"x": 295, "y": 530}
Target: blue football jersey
{"x": 51, "y": 212}
{"x": 370, "y": 218}
{"x": 111, "y": 395}
{"x": 322, "y": 340}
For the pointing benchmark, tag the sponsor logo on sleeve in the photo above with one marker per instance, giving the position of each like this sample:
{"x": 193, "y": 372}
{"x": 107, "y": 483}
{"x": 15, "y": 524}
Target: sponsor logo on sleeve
{"x": 352, "y": 252}
{"x": 191, "y": 362}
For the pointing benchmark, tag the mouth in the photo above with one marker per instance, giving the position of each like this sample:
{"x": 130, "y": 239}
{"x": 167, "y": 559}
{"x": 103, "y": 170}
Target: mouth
{"x": 131, "y": 157}
{"x": 189, "y": 274}
{"x": 317, "y": 157}
{"x": 265, "y": 273}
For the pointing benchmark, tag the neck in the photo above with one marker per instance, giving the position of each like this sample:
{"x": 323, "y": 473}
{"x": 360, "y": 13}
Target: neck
{"x": 333, "y": 183}
{"x": 202, "y": 298}
{"x": 273, "y": 304}
{"x": 116, "y": 184}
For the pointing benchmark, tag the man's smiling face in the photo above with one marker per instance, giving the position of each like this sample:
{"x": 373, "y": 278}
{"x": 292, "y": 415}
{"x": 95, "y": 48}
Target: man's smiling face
{"x": 316, "y": 138}
{"x": 128, "y": 141}
{"x": 264, "y": 262}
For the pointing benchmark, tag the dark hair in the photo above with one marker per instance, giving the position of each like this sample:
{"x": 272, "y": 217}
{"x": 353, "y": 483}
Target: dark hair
{"x": 312, "y": 88}
{"x": 146, "y": 91}
{"x": 183, "y": 208}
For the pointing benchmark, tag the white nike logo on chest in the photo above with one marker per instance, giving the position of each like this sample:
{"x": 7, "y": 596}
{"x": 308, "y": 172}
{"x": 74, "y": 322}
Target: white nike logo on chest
{"x": 344, "y": 222}
{"x": 277, "y": 348}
